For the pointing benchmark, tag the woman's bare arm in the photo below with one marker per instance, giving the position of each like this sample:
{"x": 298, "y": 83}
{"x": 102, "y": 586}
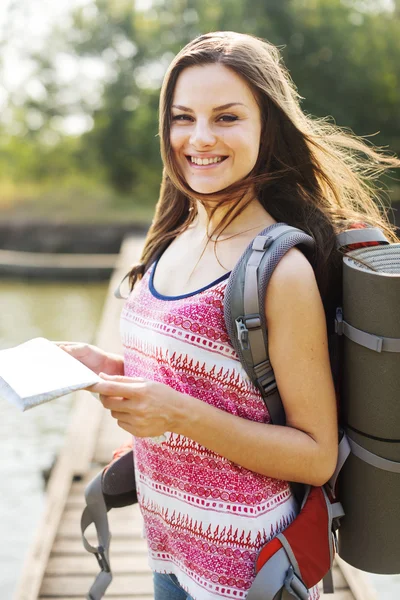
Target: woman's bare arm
{"x": 306, "y": 449}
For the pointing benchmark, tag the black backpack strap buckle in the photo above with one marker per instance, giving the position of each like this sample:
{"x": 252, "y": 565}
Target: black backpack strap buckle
{"x": 102, "y": 560}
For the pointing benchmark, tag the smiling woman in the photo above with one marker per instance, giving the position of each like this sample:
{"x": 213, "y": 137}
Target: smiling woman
{"x": 239, "y": 155}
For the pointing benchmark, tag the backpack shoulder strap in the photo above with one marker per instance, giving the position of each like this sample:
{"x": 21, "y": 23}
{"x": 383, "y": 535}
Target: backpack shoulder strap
{"x": 96, "y": 512}
{"x": 244, "y": 307}
{"x": 112, "y": 487}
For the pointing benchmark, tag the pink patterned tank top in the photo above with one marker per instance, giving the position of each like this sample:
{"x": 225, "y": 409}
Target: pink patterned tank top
{"x": 205, "y": 517}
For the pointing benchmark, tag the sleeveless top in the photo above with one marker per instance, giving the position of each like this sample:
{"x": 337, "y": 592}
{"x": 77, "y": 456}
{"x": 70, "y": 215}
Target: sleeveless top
{"x": 205, "y": 517}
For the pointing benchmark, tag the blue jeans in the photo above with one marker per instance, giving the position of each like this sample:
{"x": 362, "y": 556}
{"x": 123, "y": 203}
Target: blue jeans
{"x": 166, "y": 587}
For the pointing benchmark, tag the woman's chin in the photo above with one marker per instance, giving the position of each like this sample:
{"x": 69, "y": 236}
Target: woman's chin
{"x": 206, "y": 191}
{"x": 204, "y": 188}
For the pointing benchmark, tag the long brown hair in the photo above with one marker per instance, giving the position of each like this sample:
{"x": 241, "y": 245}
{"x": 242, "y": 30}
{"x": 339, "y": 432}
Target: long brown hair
{"x": 309, "y": 173}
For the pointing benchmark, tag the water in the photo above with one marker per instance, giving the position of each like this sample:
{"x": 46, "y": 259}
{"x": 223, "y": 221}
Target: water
{"x": 29, "y": 441}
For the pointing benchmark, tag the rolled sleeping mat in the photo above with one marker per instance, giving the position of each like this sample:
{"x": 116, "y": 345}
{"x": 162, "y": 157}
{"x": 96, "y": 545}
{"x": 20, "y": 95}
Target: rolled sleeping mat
{"x": 370, "y": 402}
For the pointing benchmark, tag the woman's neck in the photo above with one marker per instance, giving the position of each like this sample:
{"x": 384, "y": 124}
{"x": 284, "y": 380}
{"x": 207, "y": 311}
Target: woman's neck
{"x": 252, "y": 215}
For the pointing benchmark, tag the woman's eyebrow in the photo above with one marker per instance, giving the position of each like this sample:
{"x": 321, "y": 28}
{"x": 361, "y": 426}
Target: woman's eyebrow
{"x": 217, "y": 108}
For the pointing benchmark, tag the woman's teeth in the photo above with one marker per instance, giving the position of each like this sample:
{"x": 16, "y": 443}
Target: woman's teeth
{"x": 206, "y": 161}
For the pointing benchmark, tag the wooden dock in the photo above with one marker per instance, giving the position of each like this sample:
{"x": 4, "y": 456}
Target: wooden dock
{"x": 57, "y": 266}
{"x": 57, "y": 567}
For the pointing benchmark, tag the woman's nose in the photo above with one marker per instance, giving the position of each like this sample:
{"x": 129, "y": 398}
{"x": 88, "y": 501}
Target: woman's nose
{"x": 202, "y": 134}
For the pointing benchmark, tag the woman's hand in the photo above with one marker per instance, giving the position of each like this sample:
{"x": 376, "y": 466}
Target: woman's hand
{"x": 94, "y": 358}
{"x": 143, "y": 408}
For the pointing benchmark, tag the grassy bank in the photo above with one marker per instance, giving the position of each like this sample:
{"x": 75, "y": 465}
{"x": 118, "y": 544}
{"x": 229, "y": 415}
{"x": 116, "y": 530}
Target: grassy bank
{"x": 74, "y": 201}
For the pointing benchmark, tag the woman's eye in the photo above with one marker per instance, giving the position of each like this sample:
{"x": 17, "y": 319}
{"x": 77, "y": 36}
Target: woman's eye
{"x": 229, "y": 118}
{"x": 181, "y": 117}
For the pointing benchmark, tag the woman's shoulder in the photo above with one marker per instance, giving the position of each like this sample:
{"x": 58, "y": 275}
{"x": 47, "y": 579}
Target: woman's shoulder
{"x": 293, "y": 269}
{"x": 293, "y": 281}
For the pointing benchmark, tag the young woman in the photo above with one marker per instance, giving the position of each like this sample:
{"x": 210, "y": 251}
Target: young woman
{"x": 239, "y": 155}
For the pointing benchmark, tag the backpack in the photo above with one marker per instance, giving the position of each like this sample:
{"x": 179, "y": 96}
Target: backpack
{"x": 286, "y": 562}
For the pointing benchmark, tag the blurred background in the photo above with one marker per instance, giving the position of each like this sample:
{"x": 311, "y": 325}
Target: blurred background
{"x": 80, "y": 164}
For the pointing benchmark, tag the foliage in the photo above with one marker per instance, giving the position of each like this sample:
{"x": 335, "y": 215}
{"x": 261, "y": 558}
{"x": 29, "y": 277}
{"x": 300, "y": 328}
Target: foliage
{"x": 343, "y": 55}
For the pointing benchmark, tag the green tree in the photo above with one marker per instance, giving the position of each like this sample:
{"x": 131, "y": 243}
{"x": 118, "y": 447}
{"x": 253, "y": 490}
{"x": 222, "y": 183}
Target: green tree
{"x": 343, "y": 55}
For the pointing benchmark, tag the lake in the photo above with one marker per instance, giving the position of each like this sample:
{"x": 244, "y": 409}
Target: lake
{"x": 30, "y": 441}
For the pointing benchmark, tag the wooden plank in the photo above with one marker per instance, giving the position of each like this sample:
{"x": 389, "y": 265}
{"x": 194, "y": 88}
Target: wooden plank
{"x": 78, "y": 585}
{"x": 76, "y": 501}
{"x": 124, "y": 522}
{"x": 58, "y": 486}
{"x": 80, "y": 442}
{"x": 110, "y": 438}
{"x": 114, "y": 515}
{"x": 87, "y": 564}
{"x": 339, "y": 581}
{"x": 66, "y": 546}
{"x": 78, "y": 486}
{"x": 122, "y": 529}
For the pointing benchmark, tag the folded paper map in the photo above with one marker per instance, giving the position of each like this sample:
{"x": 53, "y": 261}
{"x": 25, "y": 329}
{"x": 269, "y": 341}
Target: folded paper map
{"x": 38, "y": 371}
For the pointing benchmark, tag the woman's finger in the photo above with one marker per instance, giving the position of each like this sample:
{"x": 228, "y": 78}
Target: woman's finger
{"x": 117, "y": 388}
{"x": 114, "y": 403}
{"x": 117, "y": 414}
{"x": 125, "y": 426}
{"x": 72, "y": 348}
{"x": 123, "y": 378}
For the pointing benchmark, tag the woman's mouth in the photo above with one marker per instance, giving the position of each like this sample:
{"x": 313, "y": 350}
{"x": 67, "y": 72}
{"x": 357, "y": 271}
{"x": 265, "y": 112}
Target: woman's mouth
{"x": 205, "y": 163}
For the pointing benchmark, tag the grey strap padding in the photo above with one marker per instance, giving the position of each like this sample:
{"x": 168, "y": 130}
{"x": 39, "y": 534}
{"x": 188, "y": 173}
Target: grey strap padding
{"x": 295, "y": 586}
{"x": 260, "y": 244}
{"x": 275, "y": 575}
{"x": 289, "y": 552}
{"x": 248, "y": 330}
{"x": 336, "y": 510}
{"x": 343, "y": 453}
{"x": 368, "y": 340}
{"x": 373, "y": 459}
{"x": 275, "y": 407}
{"x": 254, "y": 309}
{"x": 117, "y": 292}
{"x": 359, "y": 236}
{"x": 96, "y": 512}
{"x": 330, "y": 511}
{"x": 99, "y": 586}
{"x": 327, "y": 583}
{"x": 250, "y": 293}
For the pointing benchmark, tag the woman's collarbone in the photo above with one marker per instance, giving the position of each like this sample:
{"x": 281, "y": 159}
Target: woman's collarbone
{"x": 180, "y": 271}
{"x": 178, "y": 278}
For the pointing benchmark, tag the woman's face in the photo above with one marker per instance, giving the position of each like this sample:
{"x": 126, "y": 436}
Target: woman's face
{"x": 215, "y": 127}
